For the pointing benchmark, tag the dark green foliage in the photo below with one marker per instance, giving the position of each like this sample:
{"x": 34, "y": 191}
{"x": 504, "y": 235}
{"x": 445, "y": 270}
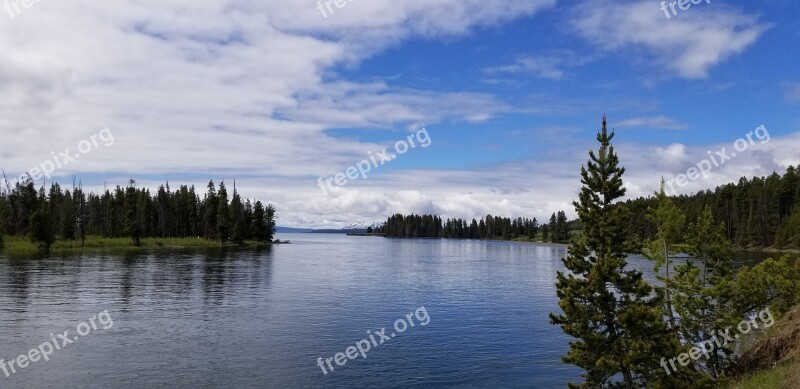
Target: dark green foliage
{"x": 432, "y": 226}
{"x": 610, "y": 310}
{"x": 757, "y": 213}
{"x": 669, "y": 222}
{"x": 129, "y": 211}
{"x": 704, "y": 290}
{"x": 223, "y": 214}
{"x": 42, "y": 229}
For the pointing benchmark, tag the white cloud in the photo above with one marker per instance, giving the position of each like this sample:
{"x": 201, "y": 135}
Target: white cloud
{"x": 652, "y": 122}
{"x": 245, "y": 89}
{"x": 223, "y": 87}
{"x": 550, "y": 66}
{"x": 689, "y": 45}
{"x": 539, "y": 66}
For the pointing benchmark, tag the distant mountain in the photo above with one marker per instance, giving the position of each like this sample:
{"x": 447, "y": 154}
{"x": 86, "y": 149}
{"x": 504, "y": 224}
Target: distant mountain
{"x": 287, "y": 230}
{"x": 363, "y": 225}
{"x": 355, "y": 228}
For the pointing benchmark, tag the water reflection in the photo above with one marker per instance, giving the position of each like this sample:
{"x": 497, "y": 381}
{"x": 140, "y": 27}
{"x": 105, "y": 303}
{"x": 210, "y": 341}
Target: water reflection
{"x": 260, "y": 318}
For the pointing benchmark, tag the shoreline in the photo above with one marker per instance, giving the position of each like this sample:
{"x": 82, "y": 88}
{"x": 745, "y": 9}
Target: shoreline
{"x": 14, "y": 245}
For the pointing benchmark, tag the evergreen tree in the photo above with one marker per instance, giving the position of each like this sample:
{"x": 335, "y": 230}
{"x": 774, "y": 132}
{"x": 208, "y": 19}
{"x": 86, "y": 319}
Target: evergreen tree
{"x": 41, "y": 223}
{"x": 669, "y": 222}
{"x": 562, "y": 229}
{"x": 237, "y": 218}
{"x": 270, "y": 223}
{"x": 132, "y": 225}
{"x": 210, "y": 212}
{"x": 704, "y": 297}
{"x": 223, "y": 215}
{"x": 608, "y": 308}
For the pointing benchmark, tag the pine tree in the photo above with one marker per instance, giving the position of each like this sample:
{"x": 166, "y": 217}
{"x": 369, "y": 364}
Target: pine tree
{"x": 223, "y": 215}
{"x": 270, "y": 223}
{"x": 609, "y": 309}
{"x": 704, "y": 297}
{"x": 237, "y": 218}
{"x": 132, "y": 226}
{"x": 562, "y": 228}
{"x": 210, "y": 212}
{"x": 41, "y": 223}
{"x": 669, "y": 222}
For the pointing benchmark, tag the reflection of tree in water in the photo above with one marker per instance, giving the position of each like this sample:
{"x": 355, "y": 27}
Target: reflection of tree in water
{"x": 17, "y": 279}
{"x": 131, "y": 265}
{"x": 236, "y": 272}
{"x": 174, "y": 274}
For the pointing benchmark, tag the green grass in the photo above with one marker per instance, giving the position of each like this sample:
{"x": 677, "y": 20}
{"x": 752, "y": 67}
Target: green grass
{"x": 782, "y": 376}
{"x": 15, "y": 244}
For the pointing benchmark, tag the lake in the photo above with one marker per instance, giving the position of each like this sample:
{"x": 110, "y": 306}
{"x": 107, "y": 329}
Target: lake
{"x": 264, "y": 318}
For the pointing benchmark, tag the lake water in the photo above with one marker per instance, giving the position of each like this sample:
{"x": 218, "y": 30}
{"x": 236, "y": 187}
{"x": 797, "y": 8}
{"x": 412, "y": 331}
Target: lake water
{"x": 245, "y": 318}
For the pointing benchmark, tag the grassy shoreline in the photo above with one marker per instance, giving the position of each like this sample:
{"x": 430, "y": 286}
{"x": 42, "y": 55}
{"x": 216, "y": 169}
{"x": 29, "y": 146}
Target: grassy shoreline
{"x": 22, "y": 245}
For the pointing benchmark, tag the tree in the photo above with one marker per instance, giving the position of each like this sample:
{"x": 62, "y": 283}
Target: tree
{"x": 41, "y": 223}
{"x": 269, "y": 219}
{"x": 210, "y": 212}
{"x": 223, "y": 215}
{"x": 561, "y": 234}
{"x": 609, "y": 309}
{"x": 705, "y": 290}
{"x": 132, "y": 217}
{"x": 237, "y": 217}
{"x": 669, "y": 222}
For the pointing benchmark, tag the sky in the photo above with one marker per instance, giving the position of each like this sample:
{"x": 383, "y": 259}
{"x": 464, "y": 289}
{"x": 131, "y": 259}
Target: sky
{"x": 502, "y": 99}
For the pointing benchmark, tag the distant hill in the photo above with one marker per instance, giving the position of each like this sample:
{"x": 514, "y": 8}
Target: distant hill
{"x": 340, "y": 231}
{"x": 287, "y": 230}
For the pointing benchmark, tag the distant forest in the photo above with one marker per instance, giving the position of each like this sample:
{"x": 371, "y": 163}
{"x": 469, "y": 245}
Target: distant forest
{"x": 762, "y": 212}
{"x": 134, "y": 212}
{"x": 489, "y": 227}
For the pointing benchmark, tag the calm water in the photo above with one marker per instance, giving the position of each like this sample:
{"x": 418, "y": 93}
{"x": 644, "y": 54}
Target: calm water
{"x": 261, "y": 319}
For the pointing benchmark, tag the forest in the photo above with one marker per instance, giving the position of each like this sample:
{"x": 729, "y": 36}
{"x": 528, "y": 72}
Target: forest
{"x": 760, "y": 212}
{"x": 489, "y": 227}
{"x": 46, "y": 215}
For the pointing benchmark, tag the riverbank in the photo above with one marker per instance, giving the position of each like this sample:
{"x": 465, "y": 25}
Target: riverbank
{"x": 14, "y": 244}
{"x": 774, "y": 360}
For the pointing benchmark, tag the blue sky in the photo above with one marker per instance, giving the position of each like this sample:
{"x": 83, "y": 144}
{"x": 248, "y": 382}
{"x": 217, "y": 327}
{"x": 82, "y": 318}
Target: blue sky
{"x": 276, "y": 95}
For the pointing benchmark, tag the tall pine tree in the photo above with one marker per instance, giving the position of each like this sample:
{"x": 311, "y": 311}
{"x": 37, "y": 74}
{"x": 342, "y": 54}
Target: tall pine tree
{"x": 609, "y": 309}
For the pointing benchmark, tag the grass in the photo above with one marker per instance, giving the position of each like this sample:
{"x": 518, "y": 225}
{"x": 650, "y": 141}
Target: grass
{"x": 785, "y": 375}
{"x": 15, "y": 244}
{"x": 773, "y": 361}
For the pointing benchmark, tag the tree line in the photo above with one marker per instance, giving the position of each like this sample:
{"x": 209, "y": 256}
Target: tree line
{"x": 45, "y": 215}
{"x": 758, "y": 212}
{"x": 630, "y": 332}
{"x": 488, "y": 227}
